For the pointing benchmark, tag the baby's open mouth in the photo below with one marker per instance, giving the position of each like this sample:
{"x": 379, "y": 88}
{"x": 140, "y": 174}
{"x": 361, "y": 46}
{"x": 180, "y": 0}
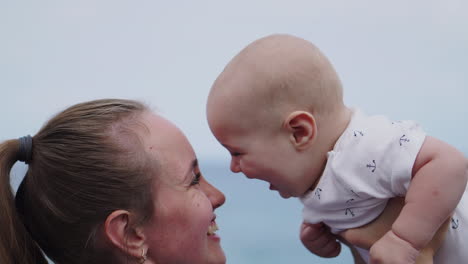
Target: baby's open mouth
{"x": 212, "y": 229}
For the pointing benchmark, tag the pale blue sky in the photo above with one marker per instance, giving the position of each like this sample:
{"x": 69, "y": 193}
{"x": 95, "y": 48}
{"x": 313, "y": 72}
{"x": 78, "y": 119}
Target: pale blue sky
{"x": 406, "y": 59}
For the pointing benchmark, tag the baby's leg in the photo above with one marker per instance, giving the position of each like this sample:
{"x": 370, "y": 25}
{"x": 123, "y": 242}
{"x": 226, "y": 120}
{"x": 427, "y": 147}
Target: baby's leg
{"x": 365, "y": 236}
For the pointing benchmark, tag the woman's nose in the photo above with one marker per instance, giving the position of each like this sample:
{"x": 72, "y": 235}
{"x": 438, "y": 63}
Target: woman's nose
{"x": 216, "y": 197}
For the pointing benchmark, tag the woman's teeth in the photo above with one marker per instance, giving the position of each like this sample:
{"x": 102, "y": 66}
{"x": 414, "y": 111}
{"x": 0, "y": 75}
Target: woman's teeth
{"x": 212, "y": 229}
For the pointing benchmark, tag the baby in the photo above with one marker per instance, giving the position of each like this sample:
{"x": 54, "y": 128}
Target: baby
{"x": 278, "y": 109}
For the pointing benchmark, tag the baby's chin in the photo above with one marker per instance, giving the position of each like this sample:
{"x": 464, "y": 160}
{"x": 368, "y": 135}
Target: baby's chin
{"x": 285, "y": 195}
{"x": 282, "y": 194}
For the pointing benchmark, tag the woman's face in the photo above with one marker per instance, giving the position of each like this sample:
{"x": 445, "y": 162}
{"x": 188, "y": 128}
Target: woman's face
{"x": 182, "y": 228}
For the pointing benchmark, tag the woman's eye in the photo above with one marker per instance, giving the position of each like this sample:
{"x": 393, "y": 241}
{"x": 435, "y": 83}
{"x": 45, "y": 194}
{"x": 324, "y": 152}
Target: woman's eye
{"x": 235, "y": 154}
{"x": 196, "y": 179}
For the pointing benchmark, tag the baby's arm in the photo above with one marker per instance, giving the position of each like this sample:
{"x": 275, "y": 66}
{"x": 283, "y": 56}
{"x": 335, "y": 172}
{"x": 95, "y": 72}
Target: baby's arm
{"x": 439, "y": 180}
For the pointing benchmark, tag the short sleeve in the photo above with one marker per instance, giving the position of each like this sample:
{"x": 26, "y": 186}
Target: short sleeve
{"x": 378, "y": 155}
{"x": 409, "y": 140}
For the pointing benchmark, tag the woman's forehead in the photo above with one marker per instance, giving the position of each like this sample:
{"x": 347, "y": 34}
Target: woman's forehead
{"x": 169, "y": 146}
{"x": 164, "y": 136}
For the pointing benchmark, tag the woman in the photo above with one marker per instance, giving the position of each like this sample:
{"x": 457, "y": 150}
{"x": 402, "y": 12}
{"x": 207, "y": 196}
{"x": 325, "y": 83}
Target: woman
{"x": 108, "y": 182}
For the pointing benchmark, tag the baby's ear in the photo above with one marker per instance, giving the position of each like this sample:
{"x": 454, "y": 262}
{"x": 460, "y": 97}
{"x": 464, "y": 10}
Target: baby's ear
{"x": 302, "y": 128}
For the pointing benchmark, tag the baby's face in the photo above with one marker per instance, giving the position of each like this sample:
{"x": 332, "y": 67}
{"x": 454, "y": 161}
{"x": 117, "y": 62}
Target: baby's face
{"x": 260, "y": 152}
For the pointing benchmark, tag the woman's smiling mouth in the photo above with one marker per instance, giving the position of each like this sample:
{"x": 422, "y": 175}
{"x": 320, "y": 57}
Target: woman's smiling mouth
{"x": 212, "y": 228}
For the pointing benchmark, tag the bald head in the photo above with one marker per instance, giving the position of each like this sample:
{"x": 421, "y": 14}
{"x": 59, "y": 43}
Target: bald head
{"x": 276, "y": 74}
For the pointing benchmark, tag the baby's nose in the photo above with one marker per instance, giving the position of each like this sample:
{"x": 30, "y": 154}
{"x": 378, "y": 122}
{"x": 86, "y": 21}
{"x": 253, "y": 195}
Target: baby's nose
{"x": 235, "y": 165}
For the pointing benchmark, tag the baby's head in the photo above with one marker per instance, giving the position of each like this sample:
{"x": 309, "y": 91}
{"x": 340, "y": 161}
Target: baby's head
{"x": 273, "y": 107}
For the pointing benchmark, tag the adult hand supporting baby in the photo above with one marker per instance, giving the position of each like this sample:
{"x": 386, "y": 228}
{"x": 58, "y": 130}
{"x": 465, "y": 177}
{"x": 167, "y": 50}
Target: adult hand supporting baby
{"x": 368, "y": 236}
{"x": 318, "y": 239}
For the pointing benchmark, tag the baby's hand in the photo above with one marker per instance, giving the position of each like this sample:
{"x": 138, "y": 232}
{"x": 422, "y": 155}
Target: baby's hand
{"x": 391, "y": 249}
{"x": 318, "y": 239}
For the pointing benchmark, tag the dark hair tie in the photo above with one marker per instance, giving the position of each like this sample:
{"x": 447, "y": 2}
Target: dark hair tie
{"x": 25, "y": 149}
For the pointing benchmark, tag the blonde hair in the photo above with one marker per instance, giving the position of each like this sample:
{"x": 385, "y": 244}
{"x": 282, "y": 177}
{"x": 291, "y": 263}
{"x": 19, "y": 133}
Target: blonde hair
{"x": 87, "y": 161}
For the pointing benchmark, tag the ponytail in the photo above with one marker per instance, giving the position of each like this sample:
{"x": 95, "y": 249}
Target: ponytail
{"x": 84, "y": 163}
{"x": 16, "y": 244}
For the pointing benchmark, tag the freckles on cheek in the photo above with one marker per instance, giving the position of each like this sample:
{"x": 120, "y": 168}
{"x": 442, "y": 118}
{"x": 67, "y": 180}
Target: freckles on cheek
{"x": 195, "y": 200}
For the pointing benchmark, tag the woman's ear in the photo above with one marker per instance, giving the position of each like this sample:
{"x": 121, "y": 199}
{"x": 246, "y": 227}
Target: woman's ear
{"x": 121, "y": 233}
{"x": 302, "y": 128}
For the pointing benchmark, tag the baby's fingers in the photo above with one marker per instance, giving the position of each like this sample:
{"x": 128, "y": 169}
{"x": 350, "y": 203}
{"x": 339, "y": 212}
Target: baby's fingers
{"x": 318, "y": 239}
